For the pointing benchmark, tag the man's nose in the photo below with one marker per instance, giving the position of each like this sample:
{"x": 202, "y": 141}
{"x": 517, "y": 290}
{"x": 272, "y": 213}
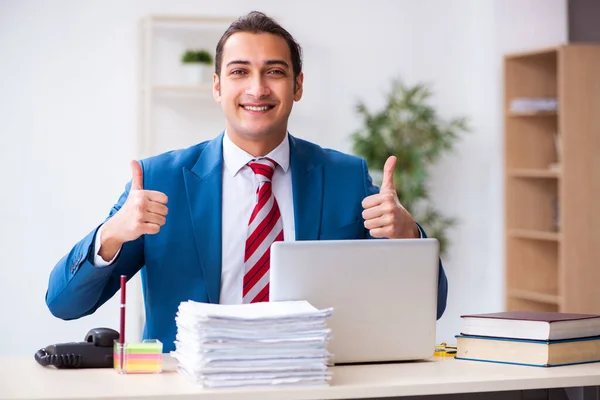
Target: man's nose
{"x": 258, "y": 87}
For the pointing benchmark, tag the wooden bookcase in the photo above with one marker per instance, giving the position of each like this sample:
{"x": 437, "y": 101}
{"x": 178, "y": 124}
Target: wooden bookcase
{"x": 552, "y": 203}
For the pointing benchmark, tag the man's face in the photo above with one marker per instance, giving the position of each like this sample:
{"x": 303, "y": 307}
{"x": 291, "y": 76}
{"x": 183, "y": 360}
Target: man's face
{"x": 256, "y": 86}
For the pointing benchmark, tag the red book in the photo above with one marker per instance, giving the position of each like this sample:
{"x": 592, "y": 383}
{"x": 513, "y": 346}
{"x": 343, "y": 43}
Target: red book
{"x": 531, "y": 325}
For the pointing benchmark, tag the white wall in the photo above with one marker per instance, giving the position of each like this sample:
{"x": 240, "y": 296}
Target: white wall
{"x": 68, "y": 106}
{"x": 469, "y": 183}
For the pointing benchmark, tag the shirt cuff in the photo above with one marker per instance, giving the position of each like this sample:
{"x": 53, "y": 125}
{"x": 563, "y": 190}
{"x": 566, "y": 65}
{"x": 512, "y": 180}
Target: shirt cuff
{"x": 98, "y": 260}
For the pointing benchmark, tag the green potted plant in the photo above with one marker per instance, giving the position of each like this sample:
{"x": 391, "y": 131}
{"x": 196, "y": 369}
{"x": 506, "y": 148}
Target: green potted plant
{"x": 411, "y": 129}
{"x": 194, "y": 64}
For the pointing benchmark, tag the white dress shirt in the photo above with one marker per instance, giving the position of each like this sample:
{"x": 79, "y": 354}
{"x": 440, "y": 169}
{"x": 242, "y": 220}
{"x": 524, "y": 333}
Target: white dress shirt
{"x": 239, "y": 197}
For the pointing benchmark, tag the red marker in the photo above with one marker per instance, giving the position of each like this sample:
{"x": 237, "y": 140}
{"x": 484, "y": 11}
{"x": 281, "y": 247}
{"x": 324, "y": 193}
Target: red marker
{"x": 122, "y": 327}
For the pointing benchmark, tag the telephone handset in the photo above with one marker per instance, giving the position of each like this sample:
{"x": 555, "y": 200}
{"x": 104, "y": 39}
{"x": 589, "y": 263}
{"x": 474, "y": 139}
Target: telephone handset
{"x": 95, "y": 352}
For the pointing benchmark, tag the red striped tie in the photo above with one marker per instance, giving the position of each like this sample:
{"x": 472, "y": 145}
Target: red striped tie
{"x": 264, "y": 228}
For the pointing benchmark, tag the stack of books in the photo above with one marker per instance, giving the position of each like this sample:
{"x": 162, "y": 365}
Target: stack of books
{"x": 544, "y": 339}
{"x": 270, "y": 343}
{"x": 543, "y": 104}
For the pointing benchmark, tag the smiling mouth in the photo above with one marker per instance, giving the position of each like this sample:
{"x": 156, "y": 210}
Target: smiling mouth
{"x": 257, "y": 108}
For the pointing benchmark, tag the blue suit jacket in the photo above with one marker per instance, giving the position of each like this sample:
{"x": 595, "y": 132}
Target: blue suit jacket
{"x": 183, "y": 261}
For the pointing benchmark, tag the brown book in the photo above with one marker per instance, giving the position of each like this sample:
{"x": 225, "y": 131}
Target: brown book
{"x": 531, "y": 325}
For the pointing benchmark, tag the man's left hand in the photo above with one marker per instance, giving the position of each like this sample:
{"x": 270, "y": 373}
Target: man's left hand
{"x": 384, "y": 216}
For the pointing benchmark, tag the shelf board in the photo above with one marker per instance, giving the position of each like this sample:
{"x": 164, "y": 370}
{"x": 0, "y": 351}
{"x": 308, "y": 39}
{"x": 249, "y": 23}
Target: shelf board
{"x": 204, "y": 90}
{"x": 534, "y": 296}
{"x": 532, "y": 113}
{"x": 536, "y": 235}
{"x": 534, "y": 173}
{"x": 547, "y": 51}
{"x": 202, "y": 19}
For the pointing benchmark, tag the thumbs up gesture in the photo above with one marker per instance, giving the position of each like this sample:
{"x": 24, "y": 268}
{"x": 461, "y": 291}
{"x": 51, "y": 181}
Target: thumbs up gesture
{"x": 144, "y": 212}
{"x": 384, "y": 216}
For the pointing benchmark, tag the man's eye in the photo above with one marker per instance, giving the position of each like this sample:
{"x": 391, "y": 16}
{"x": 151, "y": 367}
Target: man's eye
{"x": 237, "y": 72}
{"x": 276, "y": 72}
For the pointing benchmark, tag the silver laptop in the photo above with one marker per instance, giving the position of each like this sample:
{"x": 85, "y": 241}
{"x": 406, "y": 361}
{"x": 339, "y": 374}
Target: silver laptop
{"x": 384, "y": 293}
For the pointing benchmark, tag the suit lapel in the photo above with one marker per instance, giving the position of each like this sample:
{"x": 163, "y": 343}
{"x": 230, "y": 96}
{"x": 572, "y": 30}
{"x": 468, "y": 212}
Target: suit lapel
{"x": 307, "y": 187}
{"x": 204, "y": 189}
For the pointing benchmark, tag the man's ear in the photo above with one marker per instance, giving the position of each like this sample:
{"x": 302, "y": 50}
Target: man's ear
{"x": 216, "y": 88}
{"x": 298, "y": 87}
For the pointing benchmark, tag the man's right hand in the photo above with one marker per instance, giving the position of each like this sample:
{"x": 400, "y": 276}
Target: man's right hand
{"x": 144, "y": 212}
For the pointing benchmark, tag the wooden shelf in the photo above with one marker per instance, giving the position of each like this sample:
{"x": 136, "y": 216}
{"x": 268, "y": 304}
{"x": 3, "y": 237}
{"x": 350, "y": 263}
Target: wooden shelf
{"x": 552, "y": 187}
{"x": 163, "y": 37}
{"x": 203, "y": 90}
{"x": 534, "y": 173}
{"x": 536, "y": 235}
{"x": 534, "y": 296}
{"x": 532, "y": 114}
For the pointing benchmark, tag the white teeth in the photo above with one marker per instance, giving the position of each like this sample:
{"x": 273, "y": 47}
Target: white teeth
{"x": 262, "y": 108}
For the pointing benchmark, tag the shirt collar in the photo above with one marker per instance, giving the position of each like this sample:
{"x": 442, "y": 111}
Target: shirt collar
{"x": 235, "y": 158}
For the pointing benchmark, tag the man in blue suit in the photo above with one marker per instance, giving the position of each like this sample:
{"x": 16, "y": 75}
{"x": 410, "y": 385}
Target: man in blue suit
{"x": 198, "y": 222}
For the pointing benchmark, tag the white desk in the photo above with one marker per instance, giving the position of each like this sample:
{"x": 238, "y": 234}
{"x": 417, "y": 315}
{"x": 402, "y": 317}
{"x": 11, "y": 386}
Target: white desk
{"x": 23, "y": 378}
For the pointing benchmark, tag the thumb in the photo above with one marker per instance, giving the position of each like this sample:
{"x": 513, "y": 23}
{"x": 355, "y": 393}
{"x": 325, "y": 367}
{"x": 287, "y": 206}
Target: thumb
{"x": 137, "y": 180}
{"x": 388, "y": 174}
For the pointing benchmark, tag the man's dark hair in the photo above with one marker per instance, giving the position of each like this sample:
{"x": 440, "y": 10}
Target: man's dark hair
{"x": 257, "y": 22}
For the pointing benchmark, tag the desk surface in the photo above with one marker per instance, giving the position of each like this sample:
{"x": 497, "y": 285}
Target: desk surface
{"x": 23, "y": 378}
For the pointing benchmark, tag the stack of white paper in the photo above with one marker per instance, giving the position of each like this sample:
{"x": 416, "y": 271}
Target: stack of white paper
{"x": 270, "y": 343}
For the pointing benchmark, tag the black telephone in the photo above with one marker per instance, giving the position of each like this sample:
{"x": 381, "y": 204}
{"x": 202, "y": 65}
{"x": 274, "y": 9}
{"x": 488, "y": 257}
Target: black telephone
{"x": 95, "y": 352}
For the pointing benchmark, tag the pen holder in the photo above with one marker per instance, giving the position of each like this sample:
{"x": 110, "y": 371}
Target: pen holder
{"x": 138, "y": 357}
